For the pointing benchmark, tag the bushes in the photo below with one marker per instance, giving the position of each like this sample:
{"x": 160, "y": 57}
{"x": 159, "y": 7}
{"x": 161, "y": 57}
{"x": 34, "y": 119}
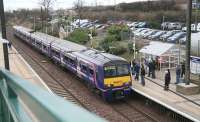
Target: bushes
{"x": 117, "y": 50}
{"x": 116, "y": 31}
{"x": 154, "y": 24}
{"x": 130, "y": 47}
{"x": 79, "y": 36}
{"x": 111, "y": 42}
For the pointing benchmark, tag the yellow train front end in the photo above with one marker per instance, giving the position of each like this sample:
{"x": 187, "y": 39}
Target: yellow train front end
{"x": 117, "y": 81}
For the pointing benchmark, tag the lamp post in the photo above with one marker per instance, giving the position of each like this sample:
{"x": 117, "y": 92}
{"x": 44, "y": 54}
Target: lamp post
{"x": 3, "y": 29}
{"x": 163, "y": 23}
{"x": 188, "y": 43}
{"x": 196, "y": 15}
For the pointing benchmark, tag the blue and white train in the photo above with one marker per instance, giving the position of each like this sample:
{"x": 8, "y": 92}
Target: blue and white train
{"x": 107, "y": 74}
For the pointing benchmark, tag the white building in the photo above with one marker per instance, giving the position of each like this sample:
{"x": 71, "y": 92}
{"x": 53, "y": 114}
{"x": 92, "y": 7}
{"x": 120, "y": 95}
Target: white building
{"x": 167, "y": 54}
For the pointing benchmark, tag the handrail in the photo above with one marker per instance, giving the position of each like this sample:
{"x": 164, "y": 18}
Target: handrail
{"x": 27, "y": 102}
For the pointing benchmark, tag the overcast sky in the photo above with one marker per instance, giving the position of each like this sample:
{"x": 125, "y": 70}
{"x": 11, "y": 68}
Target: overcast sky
{"x": 15, "y": 4}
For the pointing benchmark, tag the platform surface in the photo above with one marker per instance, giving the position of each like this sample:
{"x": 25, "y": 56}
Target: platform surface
{"x": 170, "y": 99}
{"x": 21, "y": 68}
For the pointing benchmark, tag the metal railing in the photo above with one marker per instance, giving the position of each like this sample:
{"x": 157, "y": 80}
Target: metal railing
{"x": 21, "y": 101}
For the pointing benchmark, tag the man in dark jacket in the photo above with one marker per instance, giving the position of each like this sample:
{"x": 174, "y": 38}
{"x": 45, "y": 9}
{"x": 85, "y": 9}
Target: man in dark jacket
{"x": 142, "y": 75}
{"x": 178, "y": 74}
{"x": 150, "y": 68}
{"x": 137, "y": 71}
{"x": 167, "y": 79}
{"x": 182, "y": 70}
{"x": 153, "y": 69}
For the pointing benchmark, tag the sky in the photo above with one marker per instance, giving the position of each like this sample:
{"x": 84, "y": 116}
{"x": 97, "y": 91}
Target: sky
{"x": 16, "y": 4}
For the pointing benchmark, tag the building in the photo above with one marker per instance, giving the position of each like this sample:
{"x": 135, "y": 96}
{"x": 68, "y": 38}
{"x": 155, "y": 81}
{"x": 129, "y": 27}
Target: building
{"x": 166, "y": 54}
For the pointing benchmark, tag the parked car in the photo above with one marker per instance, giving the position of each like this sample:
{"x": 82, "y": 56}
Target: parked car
{"x": 164, "y": 37}
{"x": 142, "y": 25}
{"x": 137, "y": 30}
{"x": 182, "y": 40}
{"x": 174, "y": 26}
{"x": 138, "y": 34}
{"x": 98, "y": 26}
{"x": 146, "y": 35}
{"x": 165, "y": 25}
{"x": 132, "y": 24}
{"x": 193, "y": 27}
{"x": 176, "y": 37}
{"x": 157, "y": 35}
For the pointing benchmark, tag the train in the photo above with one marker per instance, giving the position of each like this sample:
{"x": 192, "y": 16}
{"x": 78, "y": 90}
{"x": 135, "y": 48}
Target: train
{"x": 104, "y": 73}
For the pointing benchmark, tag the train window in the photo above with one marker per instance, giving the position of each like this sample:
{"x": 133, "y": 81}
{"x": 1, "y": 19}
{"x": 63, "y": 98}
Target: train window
{"x": 39, "y": 44}
{"x": 66, "y": 59}
{"x": 91, "y": 72}
{"x": 122, "y": 70}
{"x": 70, "y": 61}
{"x": 45, "y": 47}
{"x": 55, "y": 53}
{"x": 73, "y": 62}
{"x": 110, "y": 71}
{"x": 83, "y": 69}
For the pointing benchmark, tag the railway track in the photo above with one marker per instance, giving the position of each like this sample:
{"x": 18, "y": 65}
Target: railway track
{"x": 131, "y": 113}
{"x": 65, "y": 85}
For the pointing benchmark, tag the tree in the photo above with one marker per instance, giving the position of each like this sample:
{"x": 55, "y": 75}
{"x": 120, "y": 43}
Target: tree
{"x": 46, "y": 5}
{"x": 78, "y": 6}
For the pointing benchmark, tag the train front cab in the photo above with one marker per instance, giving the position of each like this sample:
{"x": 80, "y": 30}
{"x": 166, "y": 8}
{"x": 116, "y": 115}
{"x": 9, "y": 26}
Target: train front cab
{"x": 117, "y": 81}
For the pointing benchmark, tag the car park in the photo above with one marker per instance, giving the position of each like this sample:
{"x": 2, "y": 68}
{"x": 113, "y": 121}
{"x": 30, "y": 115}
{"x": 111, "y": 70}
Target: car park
{"x": 176, "y": 37}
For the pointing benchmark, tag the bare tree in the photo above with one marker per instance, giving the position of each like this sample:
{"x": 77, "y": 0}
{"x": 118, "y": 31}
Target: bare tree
{"x": 46, "y": 5}
{"x": 78, "y": 6}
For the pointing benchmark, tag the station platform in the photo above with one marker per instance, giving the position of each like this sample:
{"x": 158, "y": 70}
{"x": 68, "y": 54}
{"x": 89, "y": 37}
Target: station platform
{"x": 21, "y": 68}
{"x": 187, "y": 106}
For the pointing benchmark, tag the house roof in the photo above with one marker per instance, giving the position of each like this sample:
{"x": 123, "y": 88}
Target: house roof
{"x": 156, "y": 48}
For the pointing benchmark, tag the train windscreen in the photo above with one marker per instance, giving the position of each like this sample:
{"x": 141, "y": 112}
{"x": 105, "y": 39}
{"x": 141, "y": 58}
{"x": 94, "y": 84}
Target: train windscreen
{"x": 113, "y": 71}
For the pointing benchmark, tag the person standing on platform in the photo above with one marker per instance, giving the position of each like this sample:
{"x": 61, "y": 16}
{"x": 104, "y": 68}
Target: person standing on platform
{"x": 133, "y": 66}
{"x": 142, "y": 75}
{"x": 137, "y": 71}
{"x": 153, "y": 69}
{"x": 182, "y": 70}
{"x": 10, "y": 45}
{"x": 178, "y": 74}
{"x": 150, "y": 68}
{"x": 167, "y": 80}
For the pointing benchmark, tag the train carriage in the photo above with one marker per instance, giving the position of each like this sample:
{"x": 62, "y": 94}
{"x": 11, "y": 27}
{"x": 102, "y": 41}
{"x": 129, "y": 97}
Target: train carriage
{"x": 46, "y": 42}
{"x": 61, "y": 49}
{"x": 108, "y": 74}
{"x": 23, "y": 33}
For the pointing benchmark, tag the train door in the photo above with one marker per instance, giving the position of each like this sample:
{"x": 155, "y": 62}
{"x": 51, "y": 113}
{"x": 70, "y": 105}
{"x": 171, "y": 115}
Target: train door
{"x": 69, "y": 61}
{"x": 92, "y": 74}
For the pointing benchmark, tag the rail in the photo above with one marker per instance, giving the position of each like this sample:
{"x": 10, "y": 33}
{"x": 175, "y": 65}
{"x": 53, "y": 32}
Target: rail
{"x": 21, "y": 101}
